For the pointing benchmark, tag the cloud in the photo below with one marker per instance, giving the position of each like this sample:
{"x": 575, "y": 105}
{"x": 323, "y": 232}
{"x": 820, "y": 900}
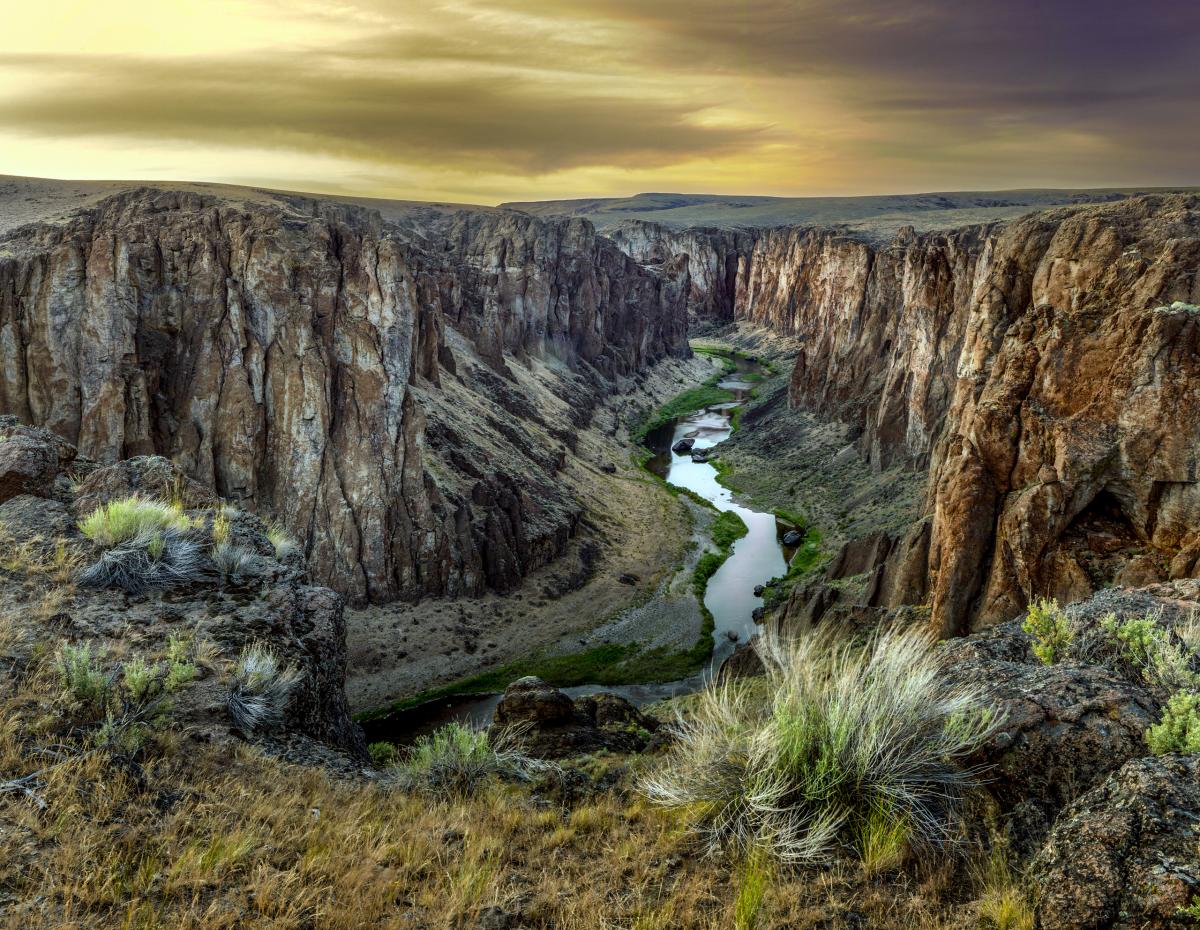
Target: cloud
{"x": 490, "y": 93}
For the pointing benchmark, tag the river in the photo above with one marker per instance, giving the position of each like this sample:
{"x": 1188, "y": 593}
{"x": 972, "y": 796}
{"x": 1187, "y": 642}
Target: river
{"x": 754, "y": 559}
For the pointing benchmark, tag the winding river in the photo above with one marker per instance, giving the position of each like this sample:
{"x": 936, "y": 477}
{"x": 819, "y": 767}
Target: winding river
{"x": 754, "y": 559}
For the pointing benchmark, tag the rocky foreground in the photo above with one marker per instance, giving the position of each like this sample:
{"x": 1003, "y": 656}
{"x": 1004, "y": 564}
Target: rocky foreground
{"x": 1107, "y": 832}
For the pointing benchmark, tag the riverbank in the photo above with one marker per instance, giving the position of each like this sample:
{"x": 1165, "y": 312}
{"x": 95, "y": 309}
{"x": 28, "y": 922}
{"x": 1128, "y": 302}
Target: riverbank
{"x": 696, "y": 616}
{"x": 632, "y": 537}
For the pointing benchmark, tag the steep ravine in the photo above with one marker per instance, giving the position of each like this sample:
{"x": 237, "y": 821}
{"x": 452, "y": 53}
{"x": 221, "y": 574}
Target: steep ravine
{"x": 365, "y": 382}
{"x": 1043, "y": 371}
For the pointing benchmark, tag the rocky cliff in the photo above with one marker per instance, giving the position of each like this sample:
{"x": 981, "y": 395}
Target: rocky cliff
{"x": 718, "y": 261}
{"x": 1042, "y": 370}
{"x": 343, "y": 375}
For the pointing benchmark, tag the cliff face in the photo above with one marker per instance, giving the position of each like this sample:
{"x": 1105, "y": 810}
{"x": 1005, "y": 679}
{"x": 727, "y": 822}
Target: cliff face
{"x": 718, "y": 261}
{"x": 1044, "y": 371}
{"x": 293, "y": 356}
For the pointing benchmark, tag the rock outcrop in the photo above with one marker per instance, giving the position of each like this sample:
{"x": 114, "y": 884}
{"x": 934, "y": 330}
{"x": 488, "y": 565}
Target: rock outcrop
{"x": 337, "y": 373}
{"x": 1126, "y": 855}
{"x": 266, "y": 601}
{"x": 718, "y": 261}
{"x": 551, "y": 725}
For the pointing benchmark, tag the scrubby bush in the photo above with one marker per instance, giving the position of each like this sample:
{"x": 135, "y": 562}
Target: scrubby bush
{"x": 384, "y": 755}
{"x": 80, "y": 676}
{"x": 261, "y": 689}
{"x": 118, "y": 709}
{"x": 1050, "y": 629}
{"x": 457, "y": 759}
{"x": 1147, "y": 648}
{"x": 1178, "y": 730}
{"x": 842, "y": 745}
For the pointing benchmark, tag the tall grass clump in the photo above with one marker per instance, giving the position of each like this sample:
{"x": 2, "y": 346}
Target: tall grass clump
{"x": 131, "y": 517}
{"x": 457, "y": 759}
{"x": 843, "y": 746}
{"x": 146, "y": 544}
{"x": 282, "y": 542}
{"x": 261, "y": 689}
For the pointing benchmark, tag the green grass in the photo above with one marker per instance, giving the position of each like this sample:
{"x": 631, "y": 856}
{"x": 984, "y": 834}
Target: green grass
{"x": 122, "y": 520}
{"x": 727, "y": 529}
{"x": 691, "y": 400}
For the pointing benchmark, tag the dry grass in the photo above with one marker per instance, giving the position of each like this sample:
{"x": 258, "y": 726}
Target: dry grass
{"x": 226, "y": 838}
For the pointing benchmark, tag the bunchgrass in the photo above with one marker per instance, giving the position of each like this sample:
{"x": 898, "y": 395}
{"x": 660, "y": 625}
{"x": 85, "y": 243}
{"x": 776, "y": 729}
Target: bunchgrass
{"x": 261, "y": 689}
{"x": 132, "y": 517}
{"x": 842, "y": 747}
{"x": 457, "y": 759}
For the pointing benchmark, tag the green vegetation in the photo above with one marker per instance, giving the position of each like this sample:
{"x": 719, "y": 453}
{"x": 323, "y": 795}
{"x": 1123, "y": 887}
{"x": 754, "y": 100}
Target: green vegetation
{"x": 1160, "y": 656}
{"x": 1178, "y": 730}
{"x": 841, "y": 745}
{"x": 727, "y": 529}
{"x": 1050, "y": 629}
{"x": 457, "y": 760}
{"x": 132, "y": 517}
{"x": 681, "y": 405}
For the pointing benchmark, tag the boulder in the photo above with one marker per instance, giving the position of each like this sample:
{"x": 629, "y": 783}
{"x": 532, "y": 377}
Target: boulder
{"x": 1066, "y": 727}
{"x": 551, "y": 726}
{"x": 608, "y": 468}
{"x": 149, "y": 476}
{"x": 26, "y": 517}
{"x": 793, "y": 538}
{"x": 29, "y": 462}
{"x": 683, "y": 446}
{"x": 743, "y": 662}
{"x": 1126, "y": 855}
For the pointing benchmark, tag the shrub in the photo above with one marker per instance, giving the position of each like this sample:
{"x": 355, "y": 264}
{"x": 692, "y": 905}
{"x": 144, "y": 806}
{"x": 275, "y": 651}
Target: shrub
{"x": 261, "y": 689}
{"x": 383, "y": 755}
{"x": 284, "y": 544}
{"x": 457, "y": 759}
{"x": 152, "y": 559}
{"x": 80, "y": 676}
{"x": 1146, "y": 648}
{"x": 1050, "y": 629}
{"x": 840, "y": 745}
{"x": 131, "y": 518}
{"x": 1178, "y": 730}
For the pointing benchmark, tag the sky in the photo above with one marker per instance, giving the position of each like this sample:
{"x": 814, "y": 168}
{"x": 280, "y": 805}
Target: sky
{"x": 484, "y": 101}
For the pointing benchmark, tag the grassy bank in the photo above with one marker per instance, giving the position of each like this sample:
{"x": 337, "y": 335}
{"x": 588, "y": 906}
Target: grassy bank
{"x": 608, "y": 664}
{"x": 689, "y": 401}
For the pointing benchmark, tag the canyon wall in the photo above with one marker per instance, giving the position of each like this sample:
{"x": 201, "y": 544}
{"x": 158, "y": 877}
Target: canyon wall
{"x": 718, "y": 260}
{"x": 1045, "y": 371}
{"x": 343, "y": 375}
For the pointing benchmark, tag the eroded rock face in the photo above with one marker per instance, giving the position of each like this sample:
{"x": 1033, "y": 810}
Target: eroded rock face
{"x": 339, "y": 374}
{"x": 1043, "y": 370}
{"x": 1127, "y": 854}
{"x": 718, "y": 261}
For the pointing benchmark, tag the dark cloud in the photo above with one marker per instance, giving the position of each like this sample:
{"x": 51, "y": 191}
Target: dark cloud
{"x": 335, "y": 105}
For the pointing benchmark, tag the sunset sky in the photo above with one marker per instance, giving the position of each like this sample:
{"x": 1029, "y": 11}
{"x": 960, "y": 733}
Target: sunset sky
{"x": 491, "y": 100}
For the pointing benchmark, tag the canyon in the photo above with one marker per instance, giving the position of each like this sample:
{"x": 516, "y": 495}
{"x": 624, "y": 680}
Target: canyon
{"x": 1041, "y": 373}
{"x": 406, "y": 389}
